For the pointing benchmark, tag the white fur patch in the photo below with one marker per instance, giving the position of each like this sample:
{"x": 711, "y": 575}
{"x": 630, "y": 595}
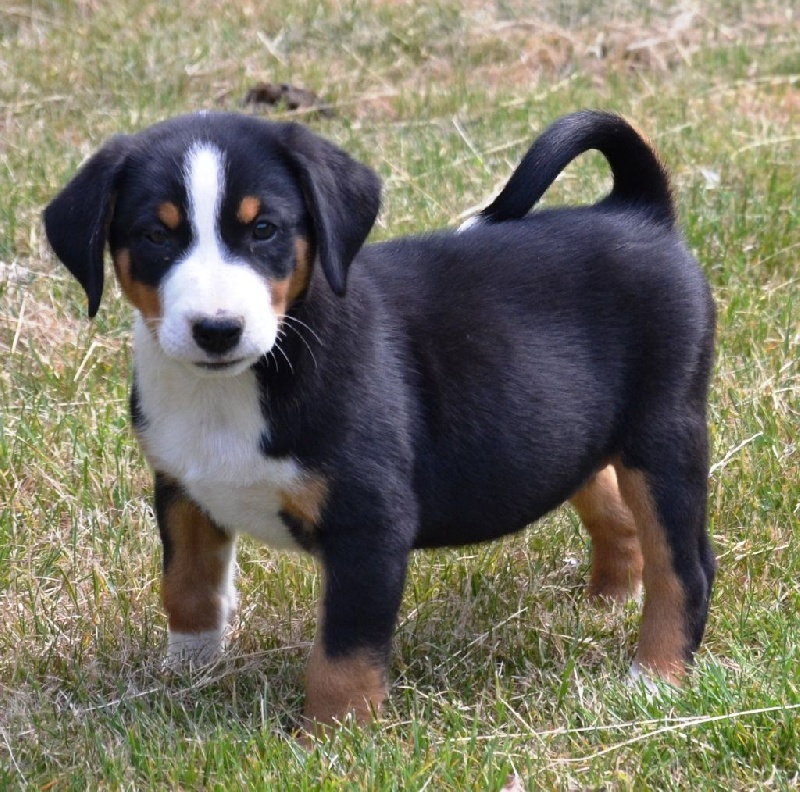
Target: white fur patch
{"x": 470, "y": 222}
{"x": 199, "y": 648}
{"x": 205, "y": 433}
{"x": 204, "y": 171}
{"x": 638, "y": 676}
{"x": 209, "y": 282}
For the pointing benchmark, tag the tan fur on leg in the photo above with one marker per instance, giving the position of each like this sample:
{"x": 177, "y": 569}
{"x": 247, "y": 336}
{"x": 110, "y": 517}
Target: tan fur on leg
{"x": 662, "y": 638}
{"x": 616, "y": 554}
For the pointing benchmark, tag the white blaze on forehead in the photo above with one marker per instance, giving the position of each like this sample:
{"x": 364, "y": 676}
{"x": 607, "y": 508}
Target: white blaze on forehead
{"x": 204, "y": 171}
{"x": 211, "y": 280}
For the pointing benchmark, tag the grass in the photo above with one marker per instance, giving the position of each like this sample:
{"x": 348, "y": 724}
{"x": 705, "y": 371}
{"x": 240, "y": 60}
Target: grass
{"x": 500, "y": 665}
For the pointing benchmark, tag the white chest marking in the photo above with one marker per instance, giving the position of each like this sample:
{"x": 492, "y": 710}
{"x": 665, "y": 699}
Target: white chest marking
{"x": 205, "y": 433}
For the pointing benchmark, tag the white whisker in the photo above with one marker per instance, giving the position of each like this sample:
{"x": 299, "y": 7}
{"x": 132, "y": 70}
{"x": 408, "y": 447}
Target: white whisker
{"x": 303, "y": 339}
{"x": 304, "y": 325}
{"x": 280, "y": 349}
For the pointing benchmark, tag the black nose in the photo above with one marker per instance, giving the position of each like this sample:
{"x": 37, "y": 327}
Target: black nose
{"x": 217, "y": 336}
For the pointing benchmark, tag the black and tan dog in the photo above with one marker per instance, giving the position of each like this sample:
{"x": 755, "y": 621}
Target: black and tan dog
{"x": 361, "y": 402}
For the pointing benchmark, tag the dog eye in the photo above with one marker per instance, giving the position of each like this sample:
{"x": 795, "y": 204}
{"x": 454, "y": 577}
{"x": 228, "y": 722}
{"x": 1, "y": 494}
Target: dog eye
{"x": 156, "y": 236}
{"x": 264, "y": 230}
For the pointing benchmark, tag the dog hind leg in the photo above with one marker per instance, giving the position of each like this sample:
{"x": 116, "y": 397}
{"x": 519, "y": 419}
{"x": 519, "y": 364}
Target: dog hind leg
{"x": 616, "y": 571}
{"x": 669, "y": 506}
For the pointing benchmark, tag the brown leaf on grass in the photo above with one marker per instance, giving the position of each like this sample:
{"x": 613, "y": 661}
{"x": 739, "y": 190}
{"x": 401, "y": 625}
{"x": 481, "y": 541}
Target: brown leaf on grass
{"x": 292, "y": 97}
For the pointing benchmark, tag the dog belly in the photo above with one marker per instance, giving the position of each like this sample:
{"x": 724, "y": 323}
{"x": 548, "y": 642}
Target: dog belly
{"x": 483, "y": 523}
{"x": 508, "y": 490}
{"x": 252, "y": 510}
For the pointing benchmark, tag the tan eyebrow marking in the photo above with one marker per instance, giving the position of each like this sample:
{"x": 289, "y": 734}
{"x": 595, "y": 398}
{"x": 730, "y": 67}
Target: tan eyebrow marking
{"x": 169, "y": 215}
{"x": 248, "y": 209}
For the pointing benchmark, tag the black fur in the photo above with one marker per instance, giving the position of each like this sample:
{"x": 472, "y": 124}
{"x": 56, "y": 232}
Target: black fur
{"x": 343, "y": 196}
{"x": 457, "y": 386}
{"x": 77, "y": 221}
{"x": 640, "y": 180}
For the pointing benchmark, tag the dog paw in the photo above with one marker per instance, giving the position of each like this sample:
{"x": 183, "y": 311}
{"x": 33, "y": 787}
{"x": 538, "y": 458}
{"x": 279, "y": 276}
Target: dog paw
{"x": 638, "y": 677}
{"x": 614, "y": 592}
{"x": 655, "y": 686}
{"x": 193, "y": 649}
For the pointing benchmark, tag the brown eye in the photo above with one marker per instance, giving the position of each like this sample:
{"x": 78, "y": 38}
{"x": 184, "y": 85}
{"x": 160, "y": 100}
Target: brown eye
{"x": 157, "y": 236}
{"x": 264, "y": 230}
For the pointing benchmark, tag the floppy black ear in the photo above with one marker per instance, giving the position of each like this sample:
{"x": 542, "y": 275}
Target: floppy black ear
{"x": 76, "y": 221}
{"x": 343, "y": 197}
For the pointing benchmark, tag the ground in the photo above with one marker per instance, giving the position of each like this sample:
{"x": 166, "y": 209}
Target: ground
{"x": 500, "y": 663}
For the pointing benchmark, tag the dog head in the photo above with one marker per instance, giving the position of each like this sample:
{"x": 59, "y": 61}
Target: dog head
{"x": 214, "y": 222}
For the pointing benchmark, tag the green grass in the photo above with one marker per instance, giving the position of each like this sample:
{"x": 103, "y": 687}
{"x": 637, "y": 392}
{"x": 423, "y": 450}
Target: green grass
{"x": 500, "y": 664}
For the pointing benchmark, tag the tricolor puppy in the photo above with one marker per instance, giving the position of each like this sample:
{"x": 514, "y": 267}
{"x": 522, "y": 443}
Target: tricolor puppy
{"x": 358, "y": 402}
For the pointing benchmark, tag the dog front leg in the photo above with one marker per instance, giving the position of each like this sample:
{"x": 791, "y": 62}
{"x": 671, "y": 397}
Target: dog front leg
{"x": 362, "y": 589}
{"x": 197, "y": 585}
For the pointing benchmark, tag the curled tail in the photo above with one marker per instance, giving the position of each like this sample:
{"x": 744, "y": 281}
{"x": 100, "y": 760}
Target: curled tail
{"x": 640, "y": 178}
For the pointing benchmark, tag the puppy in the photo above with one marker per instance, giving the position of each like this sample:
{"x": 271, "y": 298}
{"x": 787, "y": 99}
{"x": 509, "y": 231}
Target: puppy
{"x": 358, "y": 402}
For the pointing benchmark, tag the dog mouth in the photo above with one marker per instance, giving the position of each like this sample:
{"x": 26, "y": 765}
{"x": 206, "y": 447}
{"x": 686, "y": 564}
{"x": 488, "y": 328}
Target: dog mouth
{"x": 217, "y": 369}
{"x": 223, "y": 368}
{"x": 219, "y": 365}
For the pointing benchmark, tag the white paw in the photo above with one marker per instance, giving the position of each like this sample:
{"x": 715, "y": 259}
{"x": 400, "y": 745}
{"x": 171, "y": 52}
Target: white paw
{"x": 194, "y": 649}
{"x": 638, "y": 676}
{"x": 654, "y": 686}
